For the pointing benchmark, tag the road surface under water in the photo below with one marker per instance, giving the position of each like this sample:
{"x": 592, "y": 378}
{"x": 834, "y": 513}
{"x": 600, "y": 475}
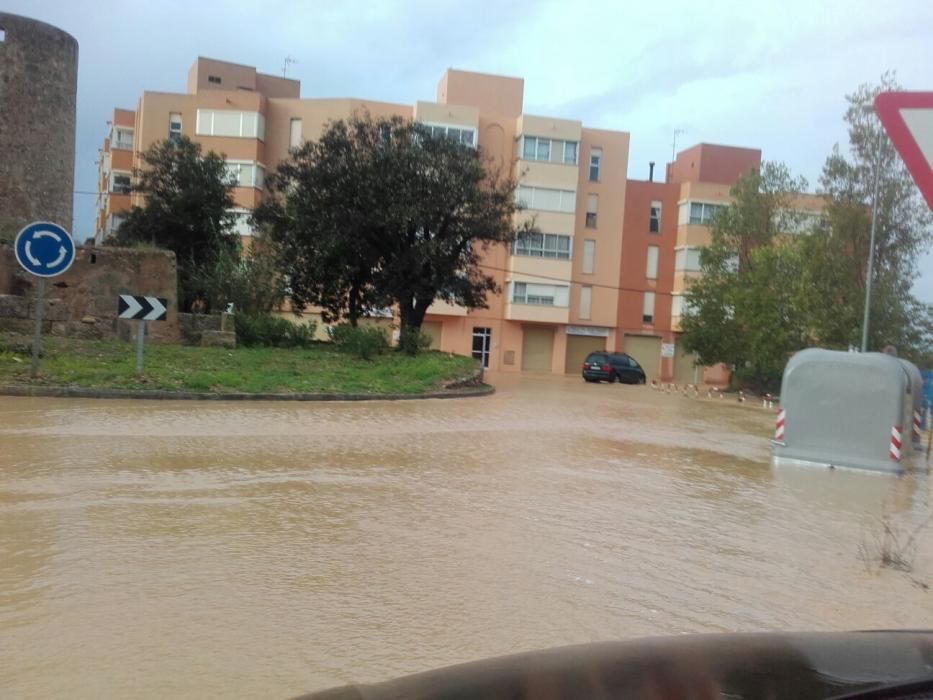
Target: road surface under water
{"x": 153, "y": 549}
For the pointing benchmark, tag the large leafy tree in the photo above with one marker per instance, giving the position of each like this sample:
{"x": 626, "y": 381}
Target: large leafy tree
{"x": 839, "y": 260}
{"x": 742, "y": 310}
{"x": 187, "y": 207}
{"x": 378, "y": 212}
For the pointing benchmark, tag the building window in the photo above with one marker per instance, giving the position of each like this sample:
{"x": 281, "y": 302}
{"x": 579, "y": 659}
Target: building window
{"x": 592, "y": 205}
{"x": 123, "y": 139}
{"x": 222, "y": 122}
{"x": 246, "y": 174}
{"x": 294, "y": 133}
{"x": 647, "y": 313}
{"x": 241, "y": 225}
{"x": 589, "y": 257}
{"x": 214, "y": 79}
{"x": 174, "y": 127}
{"x": 458, "y": 134}
{"x": 677, "y": 305}
{"x": 703, "y": 213}
{"x": 654, "y": 223}
{"x": 482, "y": 343}
{"x": 570, "y": 152}
{"x": 596, "y": 156}
{"x": 543, "y": 245}
{"x": 687, "y": 260}
{"x": 546, "y": 199}
{"x": 120, "y": 183}
{"x": 539, "y": 294}
{"x": 586, "y": 301}
{"x": 651, "y": 268}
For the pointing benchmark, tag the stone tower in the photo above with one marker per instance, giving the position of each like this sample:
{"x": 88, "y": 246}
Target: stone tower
{"x": 38, "y": 84}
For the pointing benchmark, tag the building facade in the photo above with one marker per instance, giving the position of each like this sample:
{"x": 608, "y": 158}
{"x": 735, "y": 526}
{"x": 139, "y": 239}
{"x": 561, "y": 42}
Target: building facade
{"x": 612, "y": 261}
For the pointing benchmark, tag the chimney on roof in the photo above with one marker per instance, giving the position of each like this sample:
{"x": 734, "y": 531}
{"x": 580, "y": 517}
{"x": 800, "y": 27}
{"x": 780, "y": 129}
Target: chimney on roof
{"x": 651, "y": 171}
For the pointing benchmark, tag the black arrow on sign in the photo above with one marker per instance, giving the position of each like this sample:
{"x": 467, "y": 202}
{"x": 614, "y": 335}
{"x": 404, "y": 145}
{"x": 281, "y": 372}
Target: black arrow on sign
{"x": 141, "y": 307}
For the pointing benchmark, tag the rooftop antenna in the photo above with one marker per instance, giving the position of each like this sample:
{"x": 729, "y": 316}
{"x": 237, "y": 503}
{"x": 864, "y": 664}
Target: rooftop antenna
{"x": 677, "y": 132}
{"x": 288, "y": 61}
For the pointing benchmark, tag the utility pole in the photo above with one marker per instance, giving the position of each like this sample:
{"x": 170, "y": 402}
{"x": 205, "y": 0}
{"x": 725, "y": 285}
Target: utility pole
{"x": 871, "y": 237}
{"x": 288, "y": 61}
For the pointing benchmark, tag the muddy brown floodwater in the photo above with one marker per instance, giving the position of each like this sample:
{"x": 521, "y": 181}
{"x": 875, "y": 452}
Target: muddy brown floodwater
{"x": 174, "y": 549}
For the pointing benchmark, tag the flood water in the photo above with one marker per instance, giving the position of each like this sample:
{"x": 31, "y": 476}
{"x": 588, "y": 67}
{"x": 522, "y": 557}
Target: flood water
{"x": 183, "y": 549}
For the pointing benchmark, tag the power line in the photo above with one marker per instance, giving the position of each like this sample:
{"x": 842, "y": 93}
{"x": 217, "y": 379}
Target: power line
{"x": 582, "y": 284}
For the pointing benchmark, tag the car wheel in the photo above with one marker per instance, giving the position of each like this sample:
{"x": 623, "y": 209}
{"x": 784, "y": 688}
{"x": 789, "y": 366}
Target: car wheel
{"x": 613, "y": 378}
{"x": 642, "y": 379}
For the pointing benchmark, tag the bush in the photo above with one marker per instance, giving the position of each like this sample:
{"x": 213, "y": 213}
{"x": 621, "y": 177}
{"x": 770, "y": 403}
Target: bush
{"x": 411, "y": 341}
{"x": 358, "y": 340}
{"x": 264, "y": 330}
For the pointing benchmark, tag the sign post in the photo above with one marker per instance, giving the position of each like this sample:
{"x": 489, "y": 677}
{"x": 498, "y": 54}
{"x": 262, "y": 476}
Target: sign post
{"x": 44, "y": 250}
{"x": 141, "y": 308}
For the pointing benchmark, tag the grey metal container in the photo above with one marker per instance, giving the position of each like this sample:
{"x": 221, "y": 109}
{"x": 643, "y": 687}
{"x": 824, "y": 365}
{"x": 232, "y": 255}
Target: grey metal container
{"x": 846, "y": 410}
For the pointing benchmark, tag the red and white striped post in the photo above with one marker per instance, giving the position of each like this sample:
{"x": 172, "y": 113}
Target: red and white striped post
{"x": 918, "y": 419}
{"x": 779, "y": 425}
{"x": 894, "y": 451}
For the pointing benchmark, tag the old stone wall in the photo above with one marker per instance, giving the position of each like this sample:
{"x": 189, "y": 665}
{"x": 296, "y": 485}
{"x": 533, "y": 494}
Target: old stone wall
{"x": 38, "y": 85}
{"x": 83, "y": 301}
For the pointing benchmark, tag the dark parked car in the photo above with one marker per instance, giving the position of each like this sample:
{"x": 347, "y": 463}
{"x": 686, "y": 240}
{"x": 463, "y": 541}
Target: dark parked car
{"x": 612, "y": 367}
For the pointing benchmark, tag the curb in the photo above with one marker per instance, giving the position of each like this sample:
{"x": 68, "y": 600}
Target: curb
{"x": 74, "y": 392}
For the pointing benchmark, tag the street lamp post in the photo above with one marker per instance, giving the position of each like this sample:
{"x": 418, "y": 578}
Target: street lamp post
{"x": 871, "y": 238}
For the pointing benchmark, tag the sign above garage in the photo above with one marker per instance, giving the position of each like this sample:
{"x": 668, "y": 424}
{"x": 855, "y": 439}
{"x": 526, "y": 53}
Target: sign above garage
{"x": 594, "y": 331}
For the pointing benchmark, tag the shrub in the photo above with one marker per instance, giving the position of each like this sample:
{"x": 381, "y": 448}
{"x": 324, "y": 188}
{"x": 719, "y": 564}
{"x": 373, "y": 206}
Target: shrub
{"x": 257, "y": 330}
{"x": 364, "y": 342}
{"x": 411, "y": 341}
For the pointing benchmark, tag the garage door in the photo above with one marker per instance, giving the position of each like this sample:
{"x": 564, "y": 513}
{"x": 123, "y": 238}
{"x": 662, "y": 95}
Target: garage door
{"x": 537, "y": 348}
{"x": 432, "y": 329}
{"x": 683, "y": 366}
{"x": 647, "y": 350}
{"x": 578, "y": 347}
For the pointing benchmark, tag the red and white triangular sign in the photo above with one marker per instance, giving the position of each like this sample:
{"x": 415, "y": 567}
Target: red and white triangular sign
{"x": 908, "y": 119}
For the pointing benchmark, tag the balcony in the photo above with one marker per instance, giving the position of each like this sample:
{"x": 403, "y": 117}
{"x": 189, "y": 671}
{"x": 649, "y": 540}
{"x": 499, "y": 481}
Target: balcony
{"x": 536, "y": 313}
{"x": 442, "y": 308}
{"x": 693, "y": 235}
{"x": 122, "y": 145}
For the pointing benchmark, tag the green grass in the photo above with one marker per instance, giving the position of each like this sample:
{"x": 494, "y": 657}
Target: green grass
{"x": 109, "y": 364}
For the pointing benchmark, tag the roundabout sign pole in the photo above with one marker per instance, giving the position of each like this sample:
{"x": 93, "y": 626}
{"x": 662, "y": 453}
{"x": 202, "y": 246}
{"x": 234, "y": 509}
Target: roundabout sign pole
{"x": 44, "y": 250}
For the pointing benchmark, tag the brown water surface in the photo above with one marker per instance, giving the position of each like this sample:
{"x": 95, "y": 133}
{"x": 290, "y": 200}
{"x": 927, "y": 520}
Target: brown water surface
{"x": 153, "y": 549}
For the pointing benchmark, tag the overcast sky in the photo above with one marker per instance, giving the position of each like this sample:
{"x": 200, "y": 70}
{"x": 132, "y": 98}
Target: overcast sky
{"x": 767, "y": 74}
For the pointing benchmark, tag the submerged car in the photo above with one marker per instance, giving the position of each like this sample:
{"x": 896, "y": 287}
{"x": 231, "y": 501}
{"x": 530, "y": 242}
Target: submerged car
{"x": 612, "y": 367}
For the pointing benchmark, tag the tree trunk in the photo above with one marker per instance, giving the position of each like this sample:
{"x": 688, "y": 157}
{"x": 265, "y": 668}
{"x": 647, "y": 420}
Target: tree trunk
{"x": 412, "y": 311}
{"x": 353, "y": 305}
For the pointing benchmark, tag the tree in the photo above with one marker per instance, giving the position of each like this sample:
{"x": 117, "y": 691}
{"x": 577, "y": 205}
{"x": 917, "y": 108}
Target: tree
{"x": 903, "y": 231}
{"x": 379, "y": 212}
{"x": 743, "y": 310}
{"x": 188, "y": 202}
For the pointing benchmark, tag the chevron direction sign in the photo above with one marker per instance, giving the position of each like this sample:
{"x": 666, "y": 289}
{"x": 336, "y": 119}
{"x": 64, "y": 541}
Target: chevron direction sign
{"x": 142, "y": 308}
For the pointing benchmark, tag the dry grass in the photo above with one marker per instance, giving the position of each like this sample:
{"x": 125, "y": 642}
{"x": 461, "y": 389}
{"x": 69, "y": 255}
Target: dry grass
{"x": 891, "y": 546}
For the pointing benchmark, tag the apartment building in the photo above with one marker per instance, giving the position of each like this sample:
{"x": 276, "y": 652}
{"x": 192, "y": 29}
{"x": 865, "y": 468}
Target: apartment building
{"x": 114, "y": 174}
{"x": 612, "y": 261}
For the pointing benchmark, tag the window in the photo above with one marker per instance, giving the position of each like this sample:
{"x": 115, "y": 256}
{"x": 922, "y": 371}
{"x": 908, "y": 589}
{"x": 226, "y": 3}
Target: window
{"x": 586, "y": 300}
{"x": 214, "y": 79}
{"x": 241, "y": 225}
{"x": 677, "y": 305}
{"x": 703, "y": 213}
{"x": 534, "y": 148}
{"x": 654, "y": 223}
{"x": 651, "y": 268}
{"x": 122, "y": 138}
{"x": 543, "y": 245}
{"x": 246, "y": 174}
{"x": 592, "y": 204}
{"x": 482, "y": 342}
{"x": 687, "y": 260}
{"x": 570, "y": 152}
{"x": 648, "y": 309}
{"x": 539, "y": 294}
{"x": 596, "y": 155}
{"x": 120, "y": 183}
{"x": 294, "y": 133}
{"x": 174, "y": 127}
{"x": 221, "y": 122}
{"x": 546, "y": 199}
{"x": 459, "y": 134}
{"x": 589, "y": 256}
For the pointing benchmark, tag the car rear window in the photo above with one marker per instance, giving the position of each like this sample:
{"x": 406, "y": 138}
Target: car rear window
{"x": 596, "y": 357}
